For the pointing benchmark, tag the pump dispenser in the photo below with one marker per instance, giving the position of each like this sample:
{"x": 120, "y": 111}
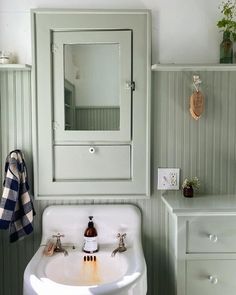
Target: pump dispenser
{"x": 90, "y": 238}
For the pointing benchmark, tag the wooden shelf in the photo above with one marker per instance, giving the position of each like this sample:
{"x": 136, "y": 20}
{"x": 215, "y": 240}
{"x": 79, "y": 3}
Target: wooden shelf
{"x": 15, "y": 67}
{"x": 193, "y": 67}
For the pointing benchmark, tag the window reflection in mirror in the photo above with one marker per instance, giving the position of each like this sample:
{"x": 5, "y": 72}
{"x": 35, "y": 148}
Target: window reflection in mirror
{"x": 91, "y": 84}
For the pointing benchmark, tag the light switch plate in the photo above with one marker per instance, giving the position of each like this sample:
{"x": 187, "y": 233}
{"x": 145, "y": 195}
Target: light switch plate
{"x": 168, "y": 178}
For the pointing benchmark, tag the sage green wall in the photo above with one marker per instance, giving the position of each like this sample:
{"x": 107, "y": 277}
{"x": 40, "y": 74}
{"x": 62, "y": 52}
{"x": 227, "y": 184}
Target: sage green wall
{"x": 205, "y": 148}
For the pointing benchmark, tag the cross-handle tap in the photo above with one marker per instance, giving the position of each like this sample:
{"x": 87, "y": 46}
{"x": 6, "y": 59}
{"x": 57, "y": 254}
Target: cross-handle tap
{"x": 121, "y": 247}
{"x": 58, "y": 246}
{"x": 121, "y": 238}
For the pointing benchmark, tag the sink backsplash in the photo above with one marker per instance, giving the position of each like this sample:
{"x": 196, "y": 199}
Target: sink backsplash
{"x": 109, "y": 220}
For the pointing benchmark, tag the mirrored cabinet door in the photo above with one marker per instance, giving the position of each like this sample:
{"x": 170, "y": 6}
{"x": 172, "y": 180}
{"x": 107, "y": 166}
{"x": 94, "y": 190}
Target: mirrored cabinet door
{"x": 92, "y": 74}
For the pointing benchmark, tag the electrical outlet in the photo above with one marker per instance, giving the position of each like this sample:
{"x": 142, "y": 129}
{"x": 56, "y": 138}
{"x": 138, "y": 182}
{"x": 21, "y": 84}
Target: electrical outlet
{"x": 168, "y": 179}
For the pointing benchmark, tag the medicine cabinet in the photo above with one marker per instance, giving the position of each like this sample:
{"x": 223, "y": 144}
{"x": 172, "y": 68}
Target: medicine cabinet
{"x": 92, "y": 103}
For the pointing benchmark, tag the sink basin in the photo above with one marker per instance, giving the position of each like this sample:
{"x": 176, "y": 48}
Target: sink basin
{"x": 72, "y": 270}
{"x": 87, "y": 274}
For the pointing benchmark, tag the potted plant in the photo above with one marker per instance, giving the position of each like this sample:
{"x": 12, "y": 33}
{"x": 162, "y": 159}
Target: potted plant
{"x": 228, "y": 26}
{"x": 188, "y": 186}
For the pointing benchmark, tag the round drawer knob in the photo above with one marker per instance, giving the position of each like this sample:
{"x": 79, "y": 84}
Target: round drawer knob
{"x": 213, "y": 238}
{"x": 213, "y": 280}
{"x": 92, "y": 150}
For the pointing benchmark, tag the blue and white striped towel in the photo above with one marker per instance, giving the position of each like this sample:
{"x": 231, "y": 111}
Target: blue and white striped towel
{"x": 16, "y": 207}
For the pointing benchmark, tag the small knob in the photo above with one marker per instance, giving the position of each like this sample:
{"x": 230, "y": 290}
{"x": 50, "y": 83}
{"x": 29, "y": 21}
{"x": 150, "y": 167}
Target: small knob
{"x": 92, "y": 150}
{"x": 213, "y": 238}
{"x": 213, "y": 280}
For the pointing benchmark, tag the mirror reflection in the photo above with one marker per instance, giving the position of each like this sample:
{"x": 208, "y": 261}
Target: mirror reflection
{"x": 91, "y": 86}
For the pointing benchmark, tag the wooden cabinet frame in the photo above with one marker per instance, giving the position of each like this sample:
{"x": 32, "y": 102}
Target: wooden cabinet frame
{"x": 44, "y": 22}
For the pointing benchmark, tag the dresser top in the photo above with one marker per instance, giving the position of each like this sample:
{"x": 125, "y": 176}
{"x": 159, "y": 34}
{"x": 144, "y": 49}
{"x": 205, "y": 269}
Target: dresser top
{"x": 200, "y": 204}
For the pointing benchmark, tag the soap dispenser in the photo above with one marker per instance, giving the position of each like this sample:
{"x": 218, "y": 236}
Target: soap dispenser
{"x": 90, "y": 238}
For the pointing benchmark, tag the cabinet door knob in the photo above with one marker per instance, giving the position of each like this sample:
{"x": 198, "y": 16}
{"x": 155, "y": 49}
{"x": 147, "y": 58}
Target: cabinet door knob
{"x": 213, "y": 280}
{"x": 92, "y": 150}
{"x": 213, "y": 238}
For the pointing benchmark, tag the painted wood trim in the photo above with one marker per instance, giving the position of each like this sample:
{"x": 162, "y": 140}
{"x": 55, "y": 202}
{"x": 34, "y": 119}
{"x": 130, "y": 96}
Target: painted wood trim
{"x": 90, "y": 11}
{"x": 34, "y": 103}
{"x": 207, "y": 205}
{"x": 125, "y": 39}
{"x": 15, "y": 67}
{"x": 148, "y": 105}
{"x": 210, "y": 256}
{"x": 97, "y": 197}
{"x": 192, "y": 67}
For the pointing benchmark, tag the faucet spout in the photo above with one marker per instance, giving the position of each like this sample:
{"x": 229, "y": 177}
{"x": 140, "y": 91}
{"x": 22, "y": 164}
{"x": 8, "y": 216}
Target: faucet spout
{"x": 121, "y": 247}
{"x": 114, "y": 252}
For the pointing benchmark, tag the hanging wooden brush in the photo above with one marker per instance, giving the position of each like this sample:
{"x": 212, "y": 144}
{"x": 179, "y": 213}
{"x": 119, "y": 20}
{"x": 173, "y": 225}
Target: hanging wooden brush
{"x": 196, "y": 99}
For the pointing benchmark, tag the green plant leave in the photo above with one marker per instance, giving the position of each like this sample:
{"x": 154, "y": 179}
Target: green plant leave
{"x": 227, "y": 23}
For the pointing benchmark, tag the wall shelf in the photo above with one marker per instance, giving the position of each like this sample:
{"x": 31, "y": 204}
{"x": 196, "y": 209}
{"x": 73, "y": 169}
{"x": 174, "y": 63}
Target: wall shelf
{"x": 15, "y": 67}
{"x": 193, "y": 67}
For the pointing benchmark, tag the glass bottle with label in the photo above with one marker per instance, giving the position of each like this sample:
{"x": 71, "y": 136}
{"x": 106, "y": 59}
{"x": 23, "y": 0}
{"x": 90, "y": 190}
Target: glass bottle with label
{"x": 90, "y": 238}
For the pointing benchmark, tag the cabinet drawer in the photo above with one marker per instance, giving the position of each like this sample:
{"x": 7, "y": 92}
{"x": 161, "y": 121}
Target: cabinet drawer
{"x": 91, "y": 162}
{"x": 211, "y": 277}
{"x": 211, "y": 234}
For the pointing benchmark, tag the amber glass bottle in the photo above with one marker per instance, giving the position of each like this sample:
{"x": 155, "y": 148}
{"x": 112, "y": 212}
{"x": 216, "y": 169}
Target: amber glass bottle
{"x": 90, "y": 238}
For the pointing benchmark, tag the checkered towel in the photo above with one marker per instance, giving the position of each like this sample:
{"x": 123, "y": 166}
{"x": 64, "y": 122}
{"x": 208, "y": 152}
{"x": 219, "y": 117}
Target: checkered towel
{"x": 16, "y": 207}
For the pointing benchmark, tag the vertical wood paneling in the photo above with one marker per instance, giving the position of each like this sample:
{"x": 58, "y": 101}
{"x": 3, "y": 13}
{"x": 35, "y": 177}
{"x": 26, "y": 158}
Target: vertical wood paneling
{"x": 97, "y": 118}
{"x": 205, "y": 148}
{"x": 15, "y": 133}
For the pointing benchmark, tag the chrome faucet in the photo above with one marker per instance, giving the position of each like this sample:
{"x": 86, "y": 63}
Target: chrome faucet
{"x": 121, "y": 247}
{"x": 58, "y": 246}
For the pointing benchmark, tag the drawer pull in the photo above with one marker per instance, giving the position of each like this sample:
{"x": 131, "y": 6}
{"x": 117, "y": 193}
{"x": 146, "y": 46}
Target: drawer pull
{"x": 213, "y": 280}
{"x": 213, "y": 238}
{"x": 92, "y": 150}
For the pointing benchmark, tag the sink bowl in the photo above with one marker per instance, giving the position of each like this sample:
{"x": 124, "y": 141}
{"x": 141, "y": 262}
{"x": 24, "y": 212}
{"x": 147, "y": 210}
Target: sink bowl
{"x": 87, "y": 274}
{"x": 76, "y": 270}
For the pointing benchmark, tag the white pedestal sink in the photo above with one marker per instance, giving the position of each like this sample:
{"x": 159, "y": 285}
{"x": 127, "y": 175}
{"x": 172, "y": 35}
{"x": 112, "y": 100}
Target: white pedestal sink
{"x": 87, "y": 274}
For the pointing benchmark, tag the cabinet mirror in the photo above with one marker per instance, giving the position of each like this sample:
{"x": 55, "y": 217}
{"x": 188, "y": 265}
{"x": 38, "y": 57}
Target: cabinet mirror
{"x": 91, "y": 83}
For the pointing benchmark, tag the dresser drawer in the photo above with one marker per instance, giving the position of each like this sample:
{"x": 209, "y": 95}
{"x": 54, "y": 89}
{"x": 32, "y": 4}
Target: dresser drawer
{"x": 91, "y": 162}
{"x": 210, "y": 277}
{"x": 211, "y": 234}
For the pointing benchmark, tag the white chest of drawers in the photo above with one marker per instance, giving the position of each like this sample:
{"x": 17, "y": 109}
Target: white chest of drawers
{"x": 200, "y": 244}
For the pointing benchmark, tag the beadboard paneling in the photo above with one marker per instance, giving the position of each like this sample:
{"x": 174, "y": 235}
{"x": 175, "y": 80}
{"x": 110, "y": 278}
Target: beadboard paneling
{"x": 15, "y": 105}
{"x": 97, "y": 118}
{"x": 205, "y": 148}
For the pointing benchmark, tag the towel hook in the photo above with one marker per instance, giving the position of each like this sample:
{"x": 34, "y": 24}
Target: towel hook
{"x": 196, "y": 82}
